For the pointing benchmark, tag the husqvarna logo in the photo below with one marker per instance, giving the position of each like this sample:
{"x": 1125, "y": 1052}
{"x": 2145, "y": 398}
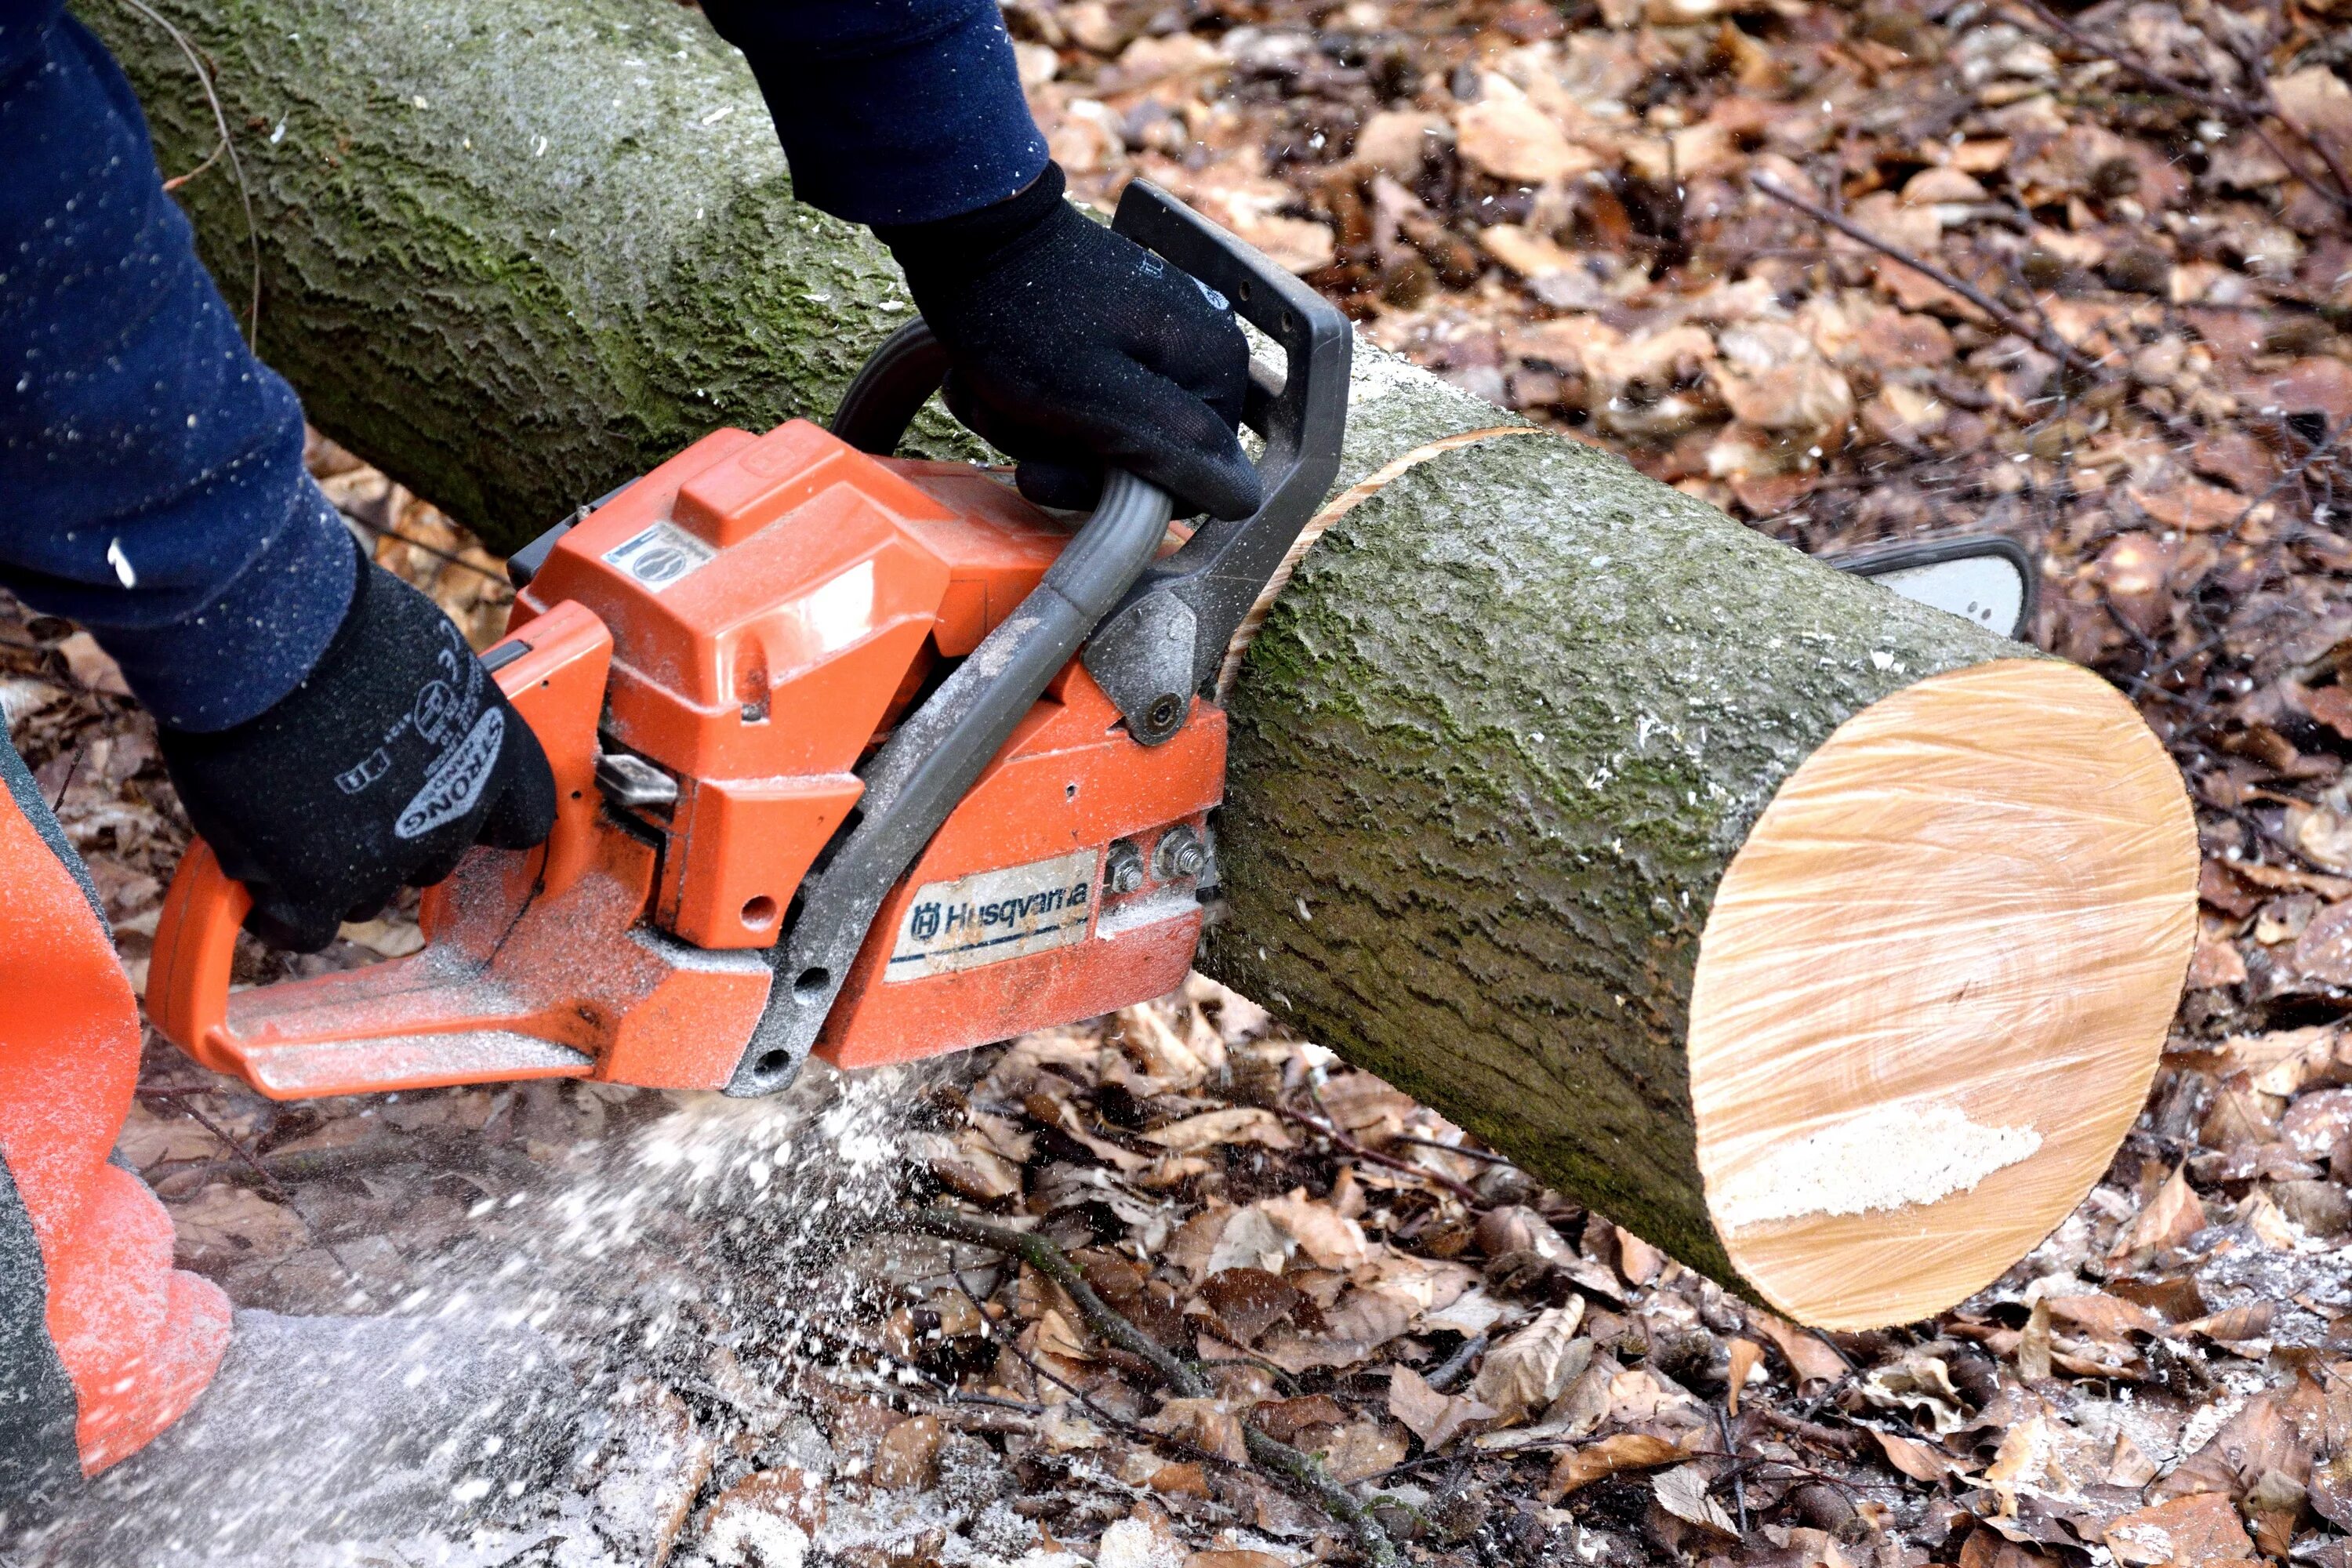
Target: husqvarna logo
{"x": 455, "y": 782}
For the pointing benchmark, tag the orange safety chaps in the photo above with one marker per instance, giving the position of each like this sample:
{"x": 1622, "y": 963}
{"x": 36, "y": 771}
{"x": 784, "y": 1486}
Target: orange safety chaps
{"x": 102, "y": 1343}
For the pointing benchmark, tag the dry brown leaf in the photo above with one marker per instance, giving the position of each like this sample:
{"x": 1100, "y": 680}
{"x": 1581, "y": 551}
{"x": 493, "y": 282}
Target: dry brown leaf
{"x": 1920, "y": 1384}
{"x": 2105, "y": 1316}
{"x": 1747, "y": 1355}
{"x": 225, "y": 1224}
{"x": 1249, "y": 1238}
{"x": 1812, "y": 1361}
{"x": 1686, "y": 1493}
{"x": 908, "y": 1457}
{"x": 1920, "y": 1461}
{"x": 1435, "y": 1418}
{"x": 2171, "y": 1218}
{"x": 1243, "y": 1303}
{"x": 1211, "y": 1425}
{"x": 1580, "y": 1467}
{"x": 1236, "y": 1124}
{"x": 2034, "y": 1346}
{"x": 1331, "y": 1239}
{"x": 2192, "y": 1531}
{"x": 1534, "y": 1366}
{"x": 1362, "y": 1448}
{"x": 1505, "y": 135}
{"x": 1056, "y": 1335}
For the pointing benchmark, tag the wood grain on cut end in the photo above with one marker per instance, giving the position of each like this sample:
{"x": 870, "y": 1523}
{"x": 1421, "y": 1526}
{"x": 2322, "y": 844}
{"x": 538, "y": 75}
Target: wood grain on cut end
{"x": 1933, "y": 988}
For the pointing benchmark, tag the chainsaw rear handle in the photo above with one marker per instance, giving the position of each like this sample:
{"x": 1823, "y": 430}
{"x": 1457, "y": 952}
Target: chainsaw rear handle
{"x": 196, "y": 935}
{"x": 1167, "y": 638}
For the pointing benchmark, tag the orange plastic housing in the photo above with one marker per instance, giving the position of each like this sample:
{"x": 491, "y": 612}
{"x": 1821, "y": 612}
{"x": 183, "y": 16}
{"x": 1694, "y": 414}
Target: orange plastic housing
{"x": 749, "y": 618}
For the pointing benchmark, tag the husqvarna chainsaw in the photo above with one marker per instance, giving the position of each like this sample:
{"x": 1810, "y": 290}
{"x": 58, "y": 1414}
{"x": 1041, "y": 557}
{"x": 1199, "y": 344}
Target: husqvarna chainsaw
{"x": 855, "y": 755}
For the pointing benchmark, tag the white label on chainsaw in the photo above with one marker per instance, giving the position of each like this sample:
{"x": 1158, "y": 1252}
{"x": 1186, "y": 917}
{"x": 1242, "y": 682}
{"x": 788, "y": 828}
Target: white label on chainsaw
{"x": 660, "y": 555}
{"x": 991, "y": 916}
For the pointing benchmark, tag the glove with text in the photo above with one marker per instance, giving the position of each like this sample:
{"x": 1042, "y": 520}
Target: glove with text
{"x": 396, "y": 755}
{"x": 1073, "y": 347}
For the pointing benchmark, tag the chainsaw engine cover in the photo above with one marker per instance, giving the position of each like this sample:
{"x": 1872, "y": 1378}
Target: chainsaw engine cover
{"x": 776, "y": 604}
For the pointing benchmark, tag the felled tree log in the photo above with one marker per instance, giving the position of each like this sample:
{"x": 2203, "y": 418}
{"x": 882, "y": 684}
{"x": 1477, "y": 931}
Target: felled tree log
{"x": 1825, "y": 940}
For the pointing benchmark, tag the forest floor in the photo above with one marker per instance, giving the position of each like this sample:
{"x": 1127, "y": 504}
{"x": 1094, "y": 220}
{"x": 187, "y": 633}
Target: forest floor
{"x": 2080, "y": 278}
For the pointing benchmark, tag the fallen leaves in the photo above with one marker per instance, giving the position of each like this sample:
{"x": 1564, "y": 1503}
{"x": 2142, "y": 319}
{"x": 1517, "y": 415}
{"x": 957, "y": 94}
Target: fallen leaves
{"x": 1580, "y": 1467}
{"x": 1434, "y": 1417}
{"x": 1535, "y": 1366}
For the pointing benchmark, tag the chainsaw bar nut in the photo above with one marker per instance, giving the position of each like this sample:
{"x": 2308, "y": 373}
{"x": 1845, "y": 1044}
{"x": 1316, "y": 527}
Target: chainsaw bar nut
{"x": 1179, "y": 853}
{"x": 1123, "y": 868}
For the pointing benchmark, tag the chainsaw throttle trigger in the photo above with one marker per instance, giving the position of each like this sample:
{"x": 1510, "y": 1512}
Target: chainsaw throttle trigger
{"x": 1167, "y": 636}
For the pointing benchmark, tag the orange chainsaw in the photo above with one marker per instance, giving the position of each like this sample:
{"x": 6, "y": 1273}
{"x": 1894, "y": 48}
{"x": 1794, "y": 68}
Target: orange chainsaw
{"x": 857, "y": 755}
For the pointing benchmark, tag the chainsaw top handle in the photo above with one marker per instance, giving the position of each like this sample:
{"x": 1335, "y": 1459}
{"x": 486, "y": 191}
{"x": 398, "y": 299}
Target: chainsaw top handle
{"x": 1167, "y": 636}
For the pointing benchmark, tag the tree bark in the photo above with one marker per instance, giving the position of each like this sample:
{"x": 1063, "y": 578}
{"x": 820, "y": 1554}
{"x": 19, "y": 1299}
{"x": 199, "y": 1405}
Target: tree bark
{"x": 1496, "y": 751}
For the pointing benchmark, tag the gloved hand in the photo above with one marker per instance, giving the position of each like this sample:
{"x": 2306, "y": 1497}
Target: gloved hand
{"x": 1073, "y": 347}
{"x": 393, "y": 756}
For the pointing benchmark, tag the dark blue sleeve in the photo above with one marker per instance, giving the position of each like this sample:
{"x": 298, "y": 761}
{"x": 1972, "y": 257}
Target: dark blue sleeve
{"x": 891, "y": 112}
{"x": 151, "y": 466}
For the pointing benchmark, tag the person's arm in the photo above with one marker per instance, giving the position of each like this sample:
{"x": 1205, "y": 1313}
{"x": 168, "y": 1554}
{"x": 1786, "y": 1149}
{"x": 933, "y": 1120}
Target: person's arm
{"x": 329, "y": 730}
{"x": 1072, "y": 346}
{"x": 152, "y": 466}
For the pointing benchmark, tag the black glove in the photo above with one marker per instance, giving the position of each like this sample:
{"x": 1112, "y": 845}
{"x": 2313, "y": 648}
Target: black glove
{"x": 390, "y": 759}
{"x": 1073, "y": 347}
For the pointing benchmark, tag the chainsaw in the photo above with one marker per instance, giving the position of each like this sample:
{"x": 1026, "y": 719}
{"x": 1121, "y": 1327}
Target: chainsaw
{"x": 855, "y": 755}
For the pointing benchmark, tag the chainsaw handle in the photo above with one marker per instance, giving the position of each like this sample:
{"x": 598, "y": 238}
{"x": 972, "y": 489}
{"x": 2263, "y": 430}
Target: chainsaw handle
{"x": 1167, "y": 636}
{"x": 551, "y": 671}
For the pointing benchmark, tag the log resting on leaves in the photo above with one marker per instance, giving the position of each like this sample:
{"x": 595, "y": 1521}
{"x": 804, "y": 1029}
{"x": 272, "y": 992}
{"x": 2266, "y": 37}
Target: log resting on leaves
{"x": 1821, "y": 939}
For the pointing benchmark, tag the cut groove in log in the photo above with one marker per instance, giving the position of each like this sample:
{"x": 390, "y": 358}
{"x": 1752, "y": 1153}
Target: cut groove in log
{"x": 1881, "y": 1136}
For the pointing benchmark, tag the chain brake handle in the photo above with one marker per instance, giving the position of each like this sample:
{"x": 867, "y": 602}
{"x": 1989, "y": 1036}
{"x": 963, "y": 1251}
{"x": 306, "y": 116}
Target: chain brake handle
{"x": 1167, "y": 638}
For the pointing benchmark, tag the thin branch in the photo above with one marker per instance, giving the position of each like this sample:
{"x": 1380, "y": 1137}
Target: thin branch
{"x": 446, "y": 556}
{"x": 1975, "y": 296}
{"x": 1305, "y": 1472}
{"x": 1483, "y": 1155}
{"x": 1461, "y": 1190}
{"x": 236, "y": 165}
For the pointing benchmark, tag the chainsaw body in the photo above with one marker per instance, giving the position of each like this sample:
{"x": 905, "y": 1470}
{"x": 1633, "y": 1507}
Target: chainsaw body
{"x": 834, "y": 768}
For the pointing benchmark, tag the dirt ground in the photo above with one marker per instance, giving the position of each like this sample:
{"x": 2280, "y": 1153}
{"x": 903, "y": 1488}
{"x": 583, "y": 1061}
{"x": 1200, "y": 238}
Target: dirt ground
{"x": 1856, "y": 274}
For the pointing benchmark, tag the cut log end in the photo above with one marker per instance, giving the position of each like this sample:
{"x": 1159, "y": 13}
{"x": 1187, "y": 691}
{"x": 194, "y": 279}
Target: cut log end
{"x": 1933, "y": 988}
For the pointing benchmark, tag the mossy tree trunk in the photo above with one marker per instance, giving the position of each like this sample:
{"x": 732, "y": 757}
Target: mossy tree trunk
{"x": 1493, "y": 753}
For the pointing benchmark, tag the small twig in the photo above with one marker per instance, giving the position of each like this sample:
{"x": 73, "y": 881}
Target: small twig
{"x": 447, "y": 557}
{"x": 1488, "y": 1157}
{"x": 1447, "y": 1375}
{"x": 235, "y": 166}
{"x": 176, "y": 180}
{"x": 1461, "y": 1190}
{"x": 1975, "y": 296}
{"x": 1738, "y": 1482}
{"x": 1305, "y": 1472}
{"x": 73, "y": 766}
